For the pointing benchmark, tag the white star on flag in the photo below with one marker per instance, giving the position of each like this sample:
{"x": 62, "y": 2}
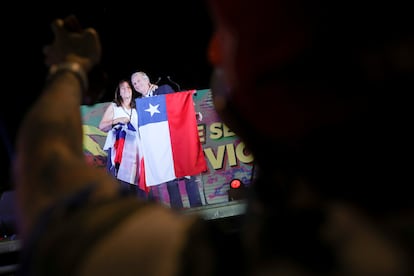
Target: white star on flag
{"x": 153, "y": 109}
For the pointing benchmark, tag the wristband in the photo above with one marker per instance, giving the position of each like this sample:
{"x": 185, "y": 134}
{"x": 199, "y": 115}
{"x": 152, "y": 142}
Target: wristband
{"x": 72, "y": 67}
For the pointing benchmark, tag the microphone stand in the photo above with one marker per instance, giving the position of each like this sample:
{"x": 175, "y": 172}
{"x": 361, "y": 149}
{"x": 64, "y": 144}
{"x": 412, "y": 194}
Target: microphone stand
{"x": 173, "y": 82}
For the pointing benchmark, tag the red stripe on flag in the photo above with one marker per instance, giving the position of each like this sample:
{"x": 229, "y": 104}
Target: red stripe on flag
{"x": 142, "y": 183}
{"x": 119, "y": 148}
{"x": 188, "y": 155}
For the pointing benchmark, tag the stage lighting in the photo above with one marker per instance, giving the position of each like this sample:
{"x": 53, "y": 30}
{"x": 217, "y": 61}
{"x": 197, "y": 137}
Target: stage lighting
{"x": 237, "y": 190}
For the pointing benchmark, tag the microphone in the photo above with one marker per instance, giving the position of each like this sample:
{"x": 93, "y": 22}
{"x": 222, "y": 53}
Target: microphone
{"x": 158, "y": 80}
{"x": 173, "y": 82}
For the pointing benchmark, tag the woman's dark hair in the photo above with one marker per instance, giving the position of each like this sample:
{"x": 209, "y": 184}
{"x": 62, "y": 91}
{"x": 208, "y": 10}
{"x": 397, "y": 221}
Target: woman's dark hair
{"x": 118, "y": 98}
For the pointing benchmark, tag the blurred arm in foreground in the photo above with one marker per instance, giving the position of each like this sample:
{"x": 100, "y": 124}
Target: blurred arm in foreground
{"x": 62, "y": 200}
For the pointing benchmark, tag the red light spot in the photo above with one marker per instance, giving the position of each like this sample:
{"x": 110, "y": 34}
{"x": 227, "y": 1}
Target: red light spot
{"x": 235, "y": 184}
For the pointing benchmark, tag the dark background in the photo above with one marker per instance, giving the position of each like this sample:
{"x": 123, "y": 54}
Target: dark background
{"x": 162, "y": 38}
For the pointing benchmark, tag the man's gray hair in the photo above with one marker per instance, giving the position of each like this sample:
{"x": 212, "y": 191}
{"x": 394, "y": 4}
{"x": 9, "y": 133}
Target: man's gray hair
{"x": 143, "y": 74}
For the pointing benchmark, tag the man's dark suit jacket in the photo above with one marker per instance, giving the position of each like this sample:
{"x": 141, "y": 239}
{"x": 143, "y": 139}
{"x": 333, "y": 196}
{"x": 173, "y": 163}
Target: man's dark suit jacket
{"x": 163, "y": 89}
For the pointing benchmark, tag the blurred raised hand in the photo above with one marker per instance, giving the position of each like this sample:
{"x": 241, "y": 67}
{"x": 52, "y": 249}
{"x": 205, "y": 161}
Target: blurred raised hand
{"x": 72, "y": 43}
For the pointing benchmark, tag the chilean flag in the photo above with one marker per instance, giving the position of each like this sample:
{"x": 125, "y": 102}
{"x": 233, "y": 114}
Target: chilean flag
{"x": 169, "y": 137}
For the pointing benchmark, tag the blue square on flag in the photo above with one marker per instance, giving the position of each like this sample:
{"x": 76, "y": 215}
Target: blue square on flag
{"x": 151, "y": 110}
